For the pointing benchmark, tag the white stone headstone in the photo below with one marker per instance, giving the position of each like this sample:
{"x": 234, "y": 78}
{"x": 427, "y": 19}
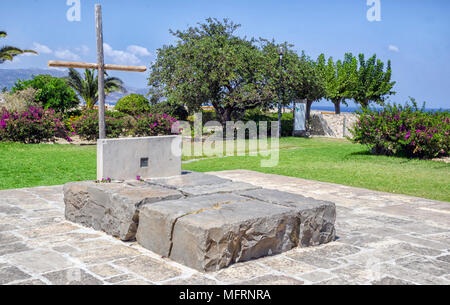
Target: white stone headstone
{"x": 299, "y": 119}
{"x": 149, "y": 157}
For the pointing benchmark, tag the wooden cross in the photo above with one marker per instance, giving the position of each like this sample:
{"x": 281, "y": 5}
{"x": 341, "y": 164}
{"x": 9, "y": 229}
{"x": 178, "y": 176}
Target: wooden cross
{"x": 101, "y": 67}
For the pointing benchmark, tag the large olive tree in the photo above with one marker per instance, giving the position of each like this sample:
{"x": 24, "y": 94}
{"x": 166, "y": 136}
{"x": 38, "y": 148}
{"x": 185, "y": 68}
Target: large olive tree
{"x": 210, "y": 64}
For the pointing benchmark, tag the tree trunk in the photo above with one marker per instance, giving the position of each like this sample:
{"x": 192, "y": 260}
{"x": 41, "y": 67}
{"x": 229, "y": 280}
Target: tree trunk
{"x": 308, "y": 110}
{"x": 224, "y": 115}
{"x": 366, "y": 104}
{"x": 337, "y": 106}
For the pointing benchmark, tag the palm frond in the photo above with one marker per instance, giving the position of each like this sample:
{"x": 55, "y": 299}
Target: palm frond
{"x": 11, "y": 50}
{"x": 5, "y": 56}
{"x": 75, "y": 80}
{"x": 87, "y": 85}
{"x": 31, "y": 51}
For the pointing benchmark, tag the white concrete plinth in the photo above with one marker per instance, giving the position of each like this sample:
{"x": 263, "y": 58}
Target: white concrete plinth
{"x": 149, "y": 157}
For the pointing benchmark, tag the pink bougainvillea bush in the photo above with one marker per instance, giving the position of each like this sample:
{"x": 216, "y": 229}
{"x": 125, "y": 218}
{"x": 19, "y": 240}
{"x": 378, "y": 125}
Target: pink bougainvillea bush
{"x": 86, "y": 126}
{"x": 154, "y": 125}
{"x": 32, "y": 125}
{"x": 404, "y": 131}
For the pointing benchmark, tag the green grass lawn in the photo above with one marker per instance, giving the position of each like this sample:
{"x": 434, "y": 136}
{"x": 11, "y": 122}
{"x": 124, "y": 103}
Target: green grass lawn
{"x": 341, "y": 162}
{"x": 327, "y": 160}
{"x": 45, "y": 164}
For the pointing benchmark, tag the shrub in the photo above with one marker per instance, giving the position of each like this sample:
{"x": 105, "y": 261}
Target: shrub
{"x": 171, "y": 108}
{"x": 20, "y": 101}
{"x": 86, "y": 126}
{"x": 153, "y": 125}
{"x": 31, "y": 126}
{"x": 404, "y": 131}
{"x": 116, "y": 114}
{"x": 287, "y": 121}
{"x": 133, "y": 104}
{"x": 52, "y": 92}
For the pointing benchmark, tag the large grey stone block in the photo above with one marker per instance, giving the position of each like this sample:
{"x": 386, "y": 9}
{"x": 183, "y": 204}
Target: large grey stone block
{"x": 317, "y": 218}
{"x": 188, "y": 179}
{"x": 212, "y": 232}
{"x": 199, "y": 184}
{"x": 111, "y": 207}
{"x": 179, "y": 218}
{"x": 148, "y": 157}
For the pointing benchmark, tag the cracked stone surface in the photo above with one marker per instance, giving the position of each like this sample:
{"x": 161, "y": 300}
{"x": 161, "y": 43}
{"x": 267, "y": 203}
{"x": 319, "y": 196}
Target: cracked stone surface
{"x": 199, "y": 184}
{"x": 316, "y": 217}
{"x": 217, "y": 223}
{"x": 376, "y": 245}
{"x": 189, "y": 179}
{"x": 112, "y": 207}
{"x": 212, "y": 232}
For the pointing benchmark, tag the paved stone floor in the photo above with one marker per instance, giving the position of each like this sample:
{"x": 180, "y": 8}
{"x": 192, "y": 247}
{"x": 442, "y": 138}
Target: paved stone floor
{"x": 382, "y": 239}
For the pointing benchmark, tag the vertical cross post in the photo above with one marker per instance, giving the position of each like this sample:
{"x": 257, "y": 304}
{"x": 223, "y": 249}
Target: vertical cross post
{"x": 101, "y": 72}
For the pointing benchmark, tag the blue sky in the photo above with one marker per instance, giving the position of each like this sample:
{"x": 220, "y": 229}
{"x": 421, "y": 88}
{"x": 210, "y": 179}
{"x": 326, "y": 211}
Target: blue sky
{"x": 414, "y": 34}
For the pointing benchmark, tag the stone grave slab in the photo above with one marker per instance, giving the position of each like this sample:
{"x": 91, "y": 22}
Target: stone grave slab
{"x": 212, "y": 232}
{"x": 317, "y": 218}
{"x": 188, "y": 179}
{"x": 199, "y": 184}
{"x": 147, "y": 157}
{"x": 111, "y": 207}
{"x": 200, "y": 220}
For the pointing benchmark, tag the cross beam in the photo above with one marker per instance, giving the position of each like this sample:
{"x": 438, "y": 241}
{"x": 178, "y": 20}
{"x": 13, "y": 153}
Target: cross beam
{"x": 83, "y": 65}
{"x": 101, "y": 67}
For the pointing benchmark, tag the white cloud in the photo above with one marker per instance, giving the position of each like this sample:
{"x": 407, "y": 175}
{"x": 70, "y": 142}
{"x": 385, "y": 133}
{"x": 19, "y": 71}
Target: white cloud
{"x": 66, "y": 54}
{"x": 41, "y": 49}
{"x": 84, "y": 50}
{"x": 121, "y": 57}
{"x": 394, "y": 48}
{"x": 138, "y": 50}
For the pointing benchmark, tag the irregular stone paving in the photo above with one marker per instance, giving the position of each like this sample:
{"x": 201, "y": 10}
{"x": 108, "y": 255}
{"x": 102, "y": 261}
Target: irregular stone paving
{"x": 382, "y": 239}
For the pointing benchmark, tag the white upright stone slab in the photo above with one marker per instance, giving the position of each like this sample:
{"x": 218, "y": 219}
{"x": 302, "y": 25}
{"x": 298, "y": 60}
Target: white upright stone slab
{"x": 149, "y": 157}
{"x": 300, "y": 119}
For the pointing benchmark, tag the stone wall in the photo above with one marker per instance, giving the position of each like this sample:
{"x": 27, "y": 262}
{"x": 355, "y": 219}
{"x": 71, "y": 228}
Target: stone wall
{"x": 331, "y": 125}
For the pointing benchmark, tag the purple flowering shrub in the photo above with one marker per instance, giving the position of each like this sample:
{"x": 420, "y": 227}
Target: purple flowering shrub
{"x": 32, "y": 125}
{"x": 86, "y": 126}
{"x": 404, "y": 131}
{"x": 153, "y": 125}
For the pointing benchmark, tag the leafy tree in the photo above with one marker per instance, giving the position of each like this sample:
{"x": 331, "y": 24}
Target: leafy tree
{"x": 87, "y": 87}
{"x": 339, "y": 78}
{"x": 282, "y": 75}
{"x": 298, "y": 79}
{"x": 133, "y": 104}
{"x": 52, "y": 92}
{"x": 373, "y": 83}
{"x": 211, "y": 65}
{"x": 171, "y": 108}
{"x": 9, "y": 52}
{"x": 313, "y": 85}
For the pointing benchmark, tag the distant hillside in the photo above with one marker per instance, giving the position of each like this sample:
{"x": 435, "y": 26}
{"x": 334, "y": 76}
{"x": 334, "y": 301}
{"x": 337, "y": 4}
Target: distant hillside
{"x": 8, "y": 78}
{"x": 114, "y": 97}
